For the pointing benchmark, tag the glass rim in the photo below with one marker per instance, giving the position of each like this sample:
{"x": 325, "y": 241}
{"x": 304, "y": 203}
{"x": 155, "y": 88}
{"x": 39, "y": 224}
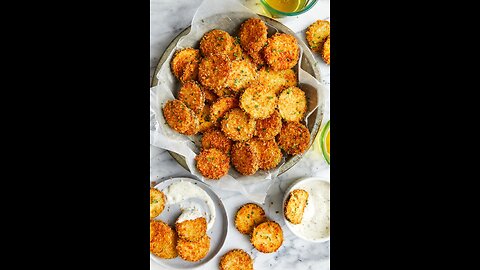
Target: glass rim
{"x": 322, "y": 141}
{"x": 305, "y": 9}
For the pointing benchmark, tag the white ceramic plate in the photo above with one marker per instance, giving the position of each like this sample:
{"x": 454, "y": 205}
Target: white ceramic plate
{"x": 217, "y": 233}
{"x": 303, "y": 184}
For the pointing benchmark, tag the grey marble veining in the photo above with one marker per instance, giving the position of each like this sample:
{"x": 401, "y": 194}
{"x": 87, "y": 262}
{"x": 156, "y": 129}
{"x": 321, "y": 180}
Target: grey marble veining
{"x": 167, "y": 19}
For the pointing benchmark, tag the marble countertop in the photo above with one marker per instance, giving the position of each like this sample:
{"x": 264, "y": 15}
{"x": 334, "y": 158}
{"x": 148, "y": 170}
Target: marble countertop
{"x": 295, "y": 253}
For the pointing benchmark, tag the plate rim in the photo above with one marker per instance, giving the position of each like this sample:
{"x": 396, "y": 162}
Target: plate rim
{"x": 158, "y": 260}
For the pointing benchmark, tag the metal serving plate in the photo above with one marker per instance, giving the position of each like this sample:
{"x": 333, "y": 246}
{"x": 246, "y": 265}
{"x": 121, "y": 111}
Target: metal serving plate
{"x": 308, "y": 64}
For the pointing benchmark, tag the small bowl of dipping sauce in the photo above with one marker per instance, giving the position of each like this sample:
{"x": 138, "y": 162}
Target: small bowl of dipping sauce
{"x": 314, "y": 225}
{"x": 283, "y": 8}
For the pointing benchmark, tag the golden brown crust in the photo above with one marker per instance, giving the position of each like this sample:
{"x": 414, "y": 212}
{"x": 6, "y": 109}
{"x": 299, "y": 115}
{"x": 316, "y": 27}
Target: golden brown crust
{"x": 180, "y": 118}
{"x": 282, "y": 51}
{"x": 293, "y": 138}
{"x": 222, "y": 106}
{"x": 269, "y": 153}
{"x": 237, "y": 125}
{"x": 245, "y": 158}
{"x": 193, "y": 251}
{"x": 157, "y": 202}
{"x": 267, "y": 129}
{"x": 185, "y": 63}
{"x": 316, "y": 34}
{"x": 326, "y": 51}
{"x": 243, "y": 73}
{"x": 213, "y": 163}
{"x": 292, "y": 104}
{"x": 236, "y": 52}
{"x": 267, "y": 237}
{"x": 225, "y": 92}
{"x": 277, "y": 80}
{"x": 210, "y": 96}
{"x": 163, "y": 240}
{"x": 204, "y": 119}
{"x": 216, "y": 42}
{"x": 248, "y": 216}
{"x": 192, "y": 230}
{"x": 259, "y": 102}
{"x": 192, "y": 95}
{"x": 257, "y": 58}
{"x": 213, "y": 72}
{"x": 214, "y": 138}
{"x": 236, "y": 259}
{"x": 253, "y": 35}
{"x": 295, "y": 205}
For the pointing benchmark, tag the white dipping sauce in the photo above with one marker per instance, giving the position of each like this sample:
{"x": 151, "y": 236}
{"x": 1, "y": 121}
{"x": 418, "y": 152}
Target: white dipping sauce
{"x": 183, "y": 191}
{"x": 315, "y": 223}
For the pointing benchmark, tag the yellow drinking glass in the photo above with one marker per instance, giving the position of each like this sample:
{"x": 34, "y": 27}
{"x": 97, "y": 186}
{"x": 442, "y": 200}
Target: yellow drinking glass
{"x": 283, "y": 8}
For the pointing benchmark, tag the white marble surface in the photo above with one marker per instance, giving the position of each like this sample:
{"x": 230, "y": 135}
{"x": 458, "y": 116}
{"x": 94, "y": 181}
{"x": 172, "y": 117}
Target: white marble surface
{"x": 167, "y": 19}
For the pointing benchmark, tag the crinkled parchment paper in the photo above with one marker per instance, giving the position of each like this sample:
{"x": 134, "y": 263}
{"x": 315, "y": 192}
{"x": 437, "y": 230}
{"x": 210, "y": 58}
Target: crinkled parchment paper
{"x": 226, "y": 15}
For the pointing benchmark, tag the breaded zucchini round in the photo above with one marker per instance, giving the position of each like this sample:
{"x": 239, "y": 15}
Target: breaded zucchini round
{"x": 193, "y": 251}
{"x": 192, "y": 230}
{"x": 269, "y": 153}
{"x": 259, "y": 102}
{"x": 316, "y": 34}
{"x": 249, "y": 216}
{"x": 222, "y": 106}
{"x": 253, "y": 35}
{"x": 212, "y": 163}
{"x": 210, "y": 96}
{"x": 237, "y": 125}
{"x": 236, "y": 259}
{"x": 157, "y": 202}
{"x": 292, "y": 104}
{"x": 295, "y": 205}
{"x": 293, "y": 138}
{"x": 185, "y": 63}
{"x": 213, "y": 72}
{"x": 277, "y": 80}
{"x": 180, "y": 118}
{"x": 236, "y": 52}
{"x": 243, "y": 72}
{"x": 163, "y": 240}
{"x": 326, "y": 51}
{"x": 216, "y": 42}
{"x": 267, "y": 129}
{"x": 204, "y": 119}
{"x": 225, "y": 92}
{"x": 281, "y": 52}
{"x": 267, "y": 237}
{"x": 214, "y": 138}
{"x": 245, "y": 158}
{"x": 192, "y": 95}
{"x": 257, "y": 58}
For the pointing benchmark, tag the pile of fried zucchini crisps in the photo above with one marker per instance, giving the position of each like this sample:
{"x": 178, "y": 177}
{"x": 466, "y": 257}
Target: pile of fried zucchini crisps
{"x": 241, "y": 93}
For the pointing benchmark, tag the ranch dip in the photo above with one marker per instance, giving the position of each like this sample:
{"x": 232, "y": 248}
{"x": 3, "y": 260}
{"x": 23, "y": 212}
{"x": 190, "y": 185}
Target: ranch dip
{"x": 191, "y": 197}
{"x": 315, "y": 223}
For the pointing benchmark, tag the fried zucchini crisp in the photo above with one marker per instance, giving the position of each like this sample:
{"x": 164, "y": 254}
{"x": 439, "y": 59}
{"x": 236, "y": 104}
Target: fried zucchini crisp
{"x": 163, "y": 240}
{"x": 248, "y": 216}
{"x": 295, "y": 205}
{"x": 267, "y": 237}
{"x": 236, "y": 259}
